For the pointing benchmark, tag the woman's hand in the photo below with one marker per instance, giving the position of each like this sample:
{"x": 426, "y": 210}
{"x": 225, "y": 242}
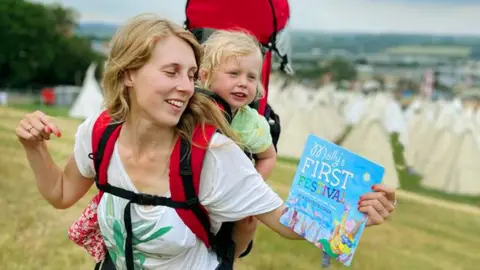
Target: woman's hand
{"x": 35, "y": 128}
{"x": 378, "y": 204}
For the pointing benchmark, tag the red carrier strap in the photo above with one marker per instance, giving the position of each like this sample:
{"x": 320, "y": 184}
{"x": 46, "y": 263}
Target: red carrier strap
{"x": 185, "y": 169}
{"x": 267, "y": 67}
{"x": 104, "y": 136}
{"x": 186, "y": 164}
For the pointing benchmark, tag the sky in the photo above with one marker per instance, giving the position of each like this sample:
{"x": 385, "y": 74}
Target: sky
{"x": 459, "y": 17}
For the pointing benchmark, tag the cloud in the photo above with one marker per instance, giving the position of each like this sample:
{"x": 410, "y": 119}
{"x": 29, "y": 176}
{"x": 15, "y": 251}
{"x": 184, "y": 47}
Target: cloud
{"x": 438, "y": 2}
{"x": 413, "y": 16}
{"x": 113, "y": 11}
{"x": 386, "y": 16}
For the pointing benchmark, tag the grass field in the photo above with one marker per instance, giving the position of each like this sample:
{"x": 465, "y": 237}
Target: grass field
{"x": 417, "y": 236}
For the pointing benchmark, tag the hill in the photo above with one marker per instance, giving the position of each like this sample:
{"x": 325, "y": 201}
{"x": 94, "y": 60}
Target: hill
{"x": 96, "y": 30}
{"x": 356, "y": 43}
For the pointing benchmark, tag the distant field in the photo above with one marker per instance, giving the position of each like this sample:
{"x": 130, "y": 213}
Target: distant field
{"x": 460, "y": 51}
{"x": 417, "y": 236}
{"x": 50, "y": 110}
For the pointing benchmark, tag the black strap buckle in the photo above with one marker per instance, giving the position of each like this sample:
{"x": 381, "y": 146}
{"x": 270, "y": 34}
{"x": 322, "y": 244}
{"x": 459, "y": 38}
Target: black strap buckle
{"x": 146, "y": 199}
{"x": 193, "y": 201}
{"x": 185, "y": 172}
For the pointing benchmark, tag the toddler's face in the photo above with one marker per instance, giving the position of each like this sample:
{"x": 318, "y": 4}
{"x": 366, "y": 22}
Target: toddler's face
{"x": 236, "y": 79}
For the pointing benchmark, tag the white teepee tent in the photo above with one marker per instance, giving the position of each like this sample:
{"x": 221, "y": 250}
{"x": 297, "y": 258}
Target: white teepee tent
{"x": 453, "y": 166}
{"x": 90, "y": 100}
{"x": 437, "y": 138}
{"x": 293, "y": 109}
{"x": 354, "y": 109}
{"x": 303, "y": 111}
{"x": 371, "y": 139}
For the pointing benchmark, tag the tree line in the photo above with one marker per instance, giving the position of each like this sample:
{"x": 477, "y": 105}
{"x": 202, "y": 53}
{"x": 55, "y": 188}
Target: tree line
{"x": 38, "y": 47}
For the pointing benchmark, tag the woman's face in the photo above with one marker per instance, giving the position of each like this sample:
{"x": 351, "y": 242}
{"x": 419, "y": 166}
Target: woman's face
{"x": 161, "y": 89}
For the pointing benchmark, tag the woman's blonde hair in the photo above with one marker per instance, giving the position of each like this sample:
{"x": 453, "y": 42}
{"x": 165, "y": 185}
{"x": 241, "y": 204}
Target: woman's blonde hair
{"x": 131, "y": 48}
{"x": 224, "y": 44}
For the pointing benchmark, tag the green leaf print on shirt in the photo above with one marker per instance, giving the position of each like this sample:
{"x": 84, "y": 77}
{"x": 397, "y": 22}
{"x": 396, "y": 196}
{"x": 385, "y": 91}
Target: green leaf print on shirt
{"x": 154, "y": 235}
{"x": 110, "y": 209}
{"x": 141, "y": 228}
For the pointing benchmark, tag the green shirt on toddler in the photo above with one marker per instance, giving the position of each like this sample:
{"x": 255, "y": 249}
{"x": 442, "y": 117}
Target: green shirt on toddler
{"x": 253, "y": 130}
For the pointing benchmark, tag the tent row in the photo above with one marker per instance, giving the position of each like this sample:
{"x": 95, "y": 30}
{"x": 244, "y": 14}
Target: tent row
{"x": 329, "y": 114}
{"x": 445, "y": 145}
{"x": 441, "y": 139}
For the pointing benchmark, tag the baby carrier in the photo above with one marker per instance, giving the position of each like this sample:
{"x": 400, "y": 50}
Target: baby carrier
{"x": 264, "y": 19}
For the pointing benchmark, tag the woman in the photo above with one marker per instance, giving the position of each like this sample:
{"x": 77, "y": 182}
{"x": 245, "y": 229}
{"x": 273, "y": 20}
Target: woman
{"x": 149, "y": 87}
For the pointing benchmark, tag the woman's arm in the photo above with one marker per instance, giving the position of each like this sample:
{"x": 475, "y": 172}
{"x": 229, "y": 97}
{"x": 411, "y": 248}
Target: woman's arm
{"x": 378, "y": 205}
{"x": 61, "y": 188}
{"x": 243, "y": 233}
{"x": 272, "y": 220}
{"x": 233, "y": 190}
{"x": 265, "y": 162}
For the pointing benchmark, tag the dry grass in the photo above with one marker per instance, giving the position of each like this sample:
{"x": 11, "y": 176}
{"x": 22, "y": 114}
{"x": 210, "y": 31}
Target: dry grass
{"x": 34, "y": 234}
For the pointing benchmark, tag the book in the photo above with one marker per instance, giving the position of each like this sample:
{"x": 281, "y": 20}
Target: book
{"x": 322, "y": 204}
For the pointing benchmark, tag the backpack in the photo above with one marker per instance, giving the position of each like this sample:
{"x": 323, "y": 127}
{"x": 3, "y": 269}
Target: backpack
{"x": 185, "y": 168}
{"x": 264, "y": 19}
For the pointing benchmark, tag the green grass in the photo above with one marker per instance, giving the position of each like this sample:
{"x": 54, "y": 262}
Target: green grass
{"x": 415, "y": 238}
{"x": 50, "y": 110}
{"x": 34, "y": 236}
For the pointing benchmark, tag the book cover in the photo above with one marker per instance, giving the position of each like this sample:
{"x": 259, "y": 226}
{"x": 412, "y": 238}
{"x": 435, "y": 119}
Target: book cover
{"x": 323, "y": 199}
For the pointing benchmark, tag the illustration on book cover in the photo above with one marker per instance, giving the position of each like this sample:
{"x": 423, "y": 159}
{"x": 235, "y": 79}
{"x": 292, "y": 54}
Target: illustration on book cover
{"x": 323, "y": 199}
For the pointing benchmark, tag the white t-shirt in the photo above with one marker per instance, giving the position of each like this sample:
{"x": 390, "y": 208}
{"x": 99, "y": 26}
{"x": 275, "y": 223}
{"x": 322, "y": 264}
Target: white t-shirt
{"x": 230, "y": 190}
